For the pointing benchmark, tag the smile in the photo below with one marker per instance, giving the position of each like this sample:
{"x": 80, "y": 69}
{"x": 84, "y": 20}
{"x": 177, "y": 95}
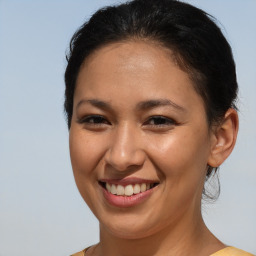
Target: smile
{"x": 128, "y": 190}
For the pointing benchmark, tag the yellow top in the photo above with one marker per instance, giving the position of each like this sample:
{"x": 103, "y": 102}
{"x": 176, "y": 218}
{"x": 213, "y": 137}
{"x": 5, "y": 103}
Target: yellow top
{"x": 231, "y": 251}
{"x": 228, "y": 251}
{"x": 82, "y": 253}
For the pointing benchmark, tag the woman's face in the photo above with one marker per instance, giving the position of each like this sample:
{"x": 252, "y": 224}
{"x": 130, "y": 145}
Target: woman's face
{"x": 139, "y": 140}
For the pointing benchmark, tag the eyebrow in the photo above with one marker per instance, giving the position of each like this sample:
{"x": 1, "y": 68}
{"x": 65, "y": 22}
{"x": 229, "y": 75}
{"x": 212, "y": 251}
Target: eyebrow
{"x": 149, "y": 104}
{"x": 144, "y": 105}
{"x": 95, "y": 102}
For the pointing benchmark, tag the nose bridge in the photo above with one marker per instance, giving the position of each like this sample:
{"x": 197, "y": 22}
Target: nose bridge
{"x": 126, "y": 148}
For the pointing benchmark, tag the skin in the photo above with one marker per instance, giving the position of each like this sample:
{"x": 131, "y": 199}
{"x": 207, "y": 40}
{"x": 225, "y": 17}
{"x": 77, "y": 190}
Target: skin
{"x": 169, "y": 142}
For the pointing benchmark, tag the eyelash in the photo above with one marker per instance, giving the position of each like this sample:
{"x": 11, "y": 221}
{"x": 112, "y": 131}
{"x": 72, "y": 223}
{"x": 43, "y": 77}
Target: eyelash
{"x": 96, "y": 120}
{"x": 99, "y": 120}
{"x": 160, "y": 121}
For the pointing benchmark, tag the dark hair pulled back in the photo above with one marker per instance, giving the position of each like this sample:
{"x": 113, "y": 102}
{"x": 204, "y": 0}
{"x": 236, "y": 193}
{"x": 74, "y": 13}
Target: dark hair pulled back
{"x": 197, "y": 43}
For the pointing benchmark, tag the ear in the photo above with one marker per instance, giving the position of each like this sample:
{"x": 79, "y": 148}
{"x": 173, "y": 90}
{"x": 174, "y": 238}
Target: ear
{"x": 224, "y": 138}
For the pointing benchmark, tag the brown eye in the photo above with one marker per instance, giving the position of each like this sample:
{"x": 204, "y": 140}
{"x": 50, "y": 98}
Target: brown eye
{"x": 94, "y": 120}
{"x": 160, "y": 121}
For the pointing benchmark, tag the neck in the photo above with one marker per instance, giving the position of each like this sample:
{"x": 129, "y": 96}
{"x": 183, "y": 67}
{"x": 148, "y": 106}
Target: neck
{"x": 185, "y": 238}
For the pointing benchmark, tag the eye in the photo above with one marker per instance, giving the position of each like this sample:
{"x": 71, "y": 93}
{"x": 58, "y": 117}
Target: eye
{"x": 160, "y": 121}
{"x": 96, "y": 120}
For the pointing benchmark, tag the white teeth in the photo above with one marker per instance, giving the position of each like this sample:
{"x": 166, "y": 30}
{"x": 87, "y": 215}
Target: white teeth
{"x": 113, "y": 189}
{"x": 108, "y": 187}
{"x": 143, "y": 187}
{"x": 136, "y": 189}
{"x": 120, "y": 190}
{"x": 128, "y": 190}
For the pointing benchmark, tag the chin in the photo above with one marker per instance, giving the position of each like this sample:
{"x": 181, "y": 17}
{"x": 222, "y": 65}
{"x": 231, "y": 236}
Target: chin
{"x": 126, "y": 232}
{"x": 130, "y": 226}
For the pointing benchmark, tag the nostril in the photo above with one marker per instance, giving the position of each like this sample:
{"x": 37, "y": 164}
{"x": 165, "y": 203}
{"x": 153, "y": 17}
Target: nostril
{"x": 124, "y": 152}
{"x": 125, "y": 160}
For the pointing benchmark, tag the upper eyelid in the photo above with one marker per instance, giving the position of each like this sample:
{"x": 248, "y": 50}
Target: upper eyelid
{"x": 161, "y": 117}
{"x": 87, "y": 117}
{"x": 171, "y": 120}
{"x": 91, "y": 116}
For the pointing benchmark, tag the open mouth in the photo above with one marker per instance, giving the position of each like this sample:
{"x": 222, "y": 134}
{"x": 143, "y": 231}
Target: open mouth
{"x": 127, "y": 190}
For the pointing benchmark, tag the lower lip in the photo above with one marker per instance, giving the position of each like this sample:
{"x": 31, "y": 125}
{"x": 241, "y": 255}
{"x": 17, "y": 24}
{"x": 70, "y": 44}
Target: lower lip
{"x": 127, "y": 201}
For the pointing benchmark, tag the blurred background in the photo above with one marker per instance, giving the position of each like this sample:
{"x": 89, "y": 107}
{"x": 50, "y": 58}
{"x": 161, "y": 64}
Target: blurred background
{"x": 41, "y": 211}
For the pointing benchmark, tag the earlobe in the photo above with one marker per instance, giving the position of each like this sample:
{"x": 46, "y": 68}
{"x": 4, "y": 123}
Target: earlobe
{"x": 224, "y": 138}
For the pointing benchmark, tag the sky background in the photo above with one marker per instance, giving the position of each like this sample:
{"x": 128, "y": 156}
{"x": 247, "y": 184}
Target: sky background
{"x": 41, "y": 211}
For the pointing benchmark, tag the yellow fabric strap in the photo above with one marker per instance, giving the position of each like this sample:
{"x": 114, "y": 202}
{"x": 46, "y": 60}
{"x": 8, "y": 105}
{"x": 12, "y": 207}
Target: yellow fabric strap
{"x": 228, "y": 251}
{"x": 82, "y": 253}
{"x": 231, "y": 251}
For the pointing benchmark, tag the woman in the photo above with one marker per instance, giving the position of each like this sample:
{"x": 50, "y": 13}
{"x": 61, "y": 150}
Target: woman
{"x": 150, "y": 102}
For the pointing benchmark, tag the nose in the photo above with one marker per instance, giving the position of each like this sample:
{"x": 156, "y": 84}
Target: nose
{"x": 125, "y": 152}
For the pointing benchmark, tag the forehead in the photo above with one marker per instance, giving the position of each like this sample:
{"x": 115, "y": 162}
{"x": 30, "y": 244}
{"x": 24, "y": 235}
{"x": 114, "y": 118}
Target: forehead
{"x": 130, "y": 55}
{"x": 146, "y": 68}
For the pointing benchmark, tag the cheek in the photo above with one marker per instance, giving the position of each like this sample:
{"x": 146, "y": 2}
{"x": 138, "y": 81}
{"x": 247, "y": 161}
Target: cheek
{"x": 181, "y": 153}
{"x": 84, "y": 156}
{"x": 181, "y": 163}
{"x": 85, "y": 151}
{"x": 78, "y": 151}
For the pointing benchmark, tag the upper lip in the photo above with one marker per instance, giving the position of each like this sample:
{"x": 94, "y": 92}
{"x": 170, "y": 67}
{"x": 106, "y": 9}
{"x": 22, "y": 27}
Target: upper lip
{"x": 128, "y": 181}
